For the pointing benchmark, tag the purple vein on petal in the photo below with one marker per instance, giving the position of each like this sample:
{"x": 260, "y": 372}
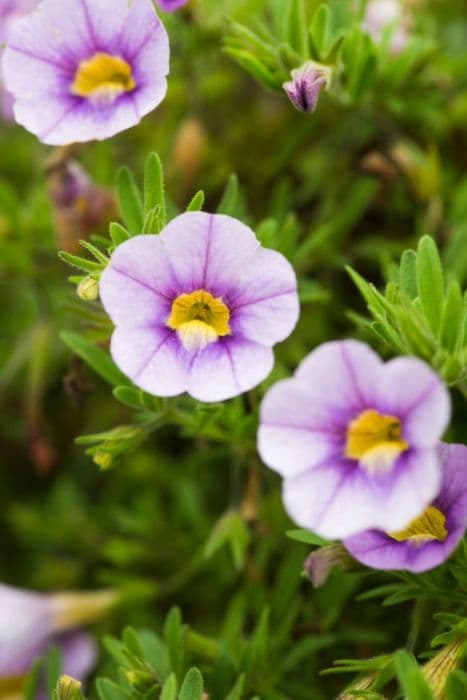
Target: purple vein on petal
{"x": 152, "y": 355}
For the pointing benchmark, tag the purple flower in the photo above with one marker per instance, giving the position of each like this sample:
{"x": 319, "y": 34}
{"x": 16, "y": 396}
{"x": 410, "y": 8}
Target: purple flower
{"x": 10, "y": 10}
{"x": 431, "y": 538}
{"x": 306, "y": 84}
{"x": 31, "y": 622}
{"x": 83, "y": 70}
{"x": 379, "y": 15}
{"x": 171, "y": 5}
{"x": 198, "y": 307}
{"x": 355, "y": 439}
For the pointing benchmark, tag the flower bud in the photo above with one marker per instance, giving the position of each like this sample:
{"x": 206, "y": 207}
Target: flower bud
{"x": 88, "y": 289}
{"x": 68, "y": 688}
{"x": 102, "y": 459}
{"x": 437, "y": 670}
{"x": 320, "y": 563}
{"x": 306, "y": 84}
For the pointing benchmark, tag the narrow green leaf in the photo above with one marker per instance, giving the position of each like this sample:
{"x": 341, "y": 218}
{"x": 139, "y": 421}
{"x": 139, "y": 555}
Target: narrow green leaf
{"x": 197, "y": 202}
{"x": 452, "y": 321}
{"x": 411, "y": 677}
{"x": 229, "y": 201}
{"x": 154, "y": 186}
{"x": 319, "y": 29}
{"x": 192, "y": 687}
{"x": 108, "y": 690}
{"x": 169, "y": 689}
{"x": 98, "y": 254}
{"x": 118, "y": 233}
{"x": 306, "y": 537}
{"x": 129, "y": 199}
{"x": 456, "y": 686}
{"x": 237, "y": 690}
{"x": 254, "y": 67}
{"x": 408, "y": 273}
{"x": 96, "y": 358}
{"x": 430, "y": 282}
{"x": 80, "y": 263}
{"x": 297, "y": 28}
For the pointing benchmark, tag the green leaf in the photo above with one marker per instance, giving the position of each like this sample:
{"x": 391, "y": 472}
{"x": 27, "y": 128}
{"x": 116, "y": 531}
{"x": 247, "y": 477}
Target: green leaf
{"x": 237, "y": 690}
{"x": 197, "y": 202}
{"x": 98, "y": 254}
{"x": 297, "y": 28}
{"x": 411, "y": 677}
{"x": 80, "y": 263}
{"x": 169, "y": 689}
{"x": 96, "y": 358}
{"x": 129, "y": 199}
{"x": 430, "y": 282}
{"x": 254, "y": 67}
{"x": 229, "y": 202}
{"x": 154, "y": 186}
{"x": 108, "y": 690}
{"x": 53, "y": 668}
{"x": 456, "y": 686}
{"x": 306, "y": 537}
{"x": 174, "y": 633}
{"x": 118, "y": 233}
{"x": 192, "y": 686}
{"x": 408, "y": 273}
{"x": 320, "y": 29}
{"x": 452, "y": 319}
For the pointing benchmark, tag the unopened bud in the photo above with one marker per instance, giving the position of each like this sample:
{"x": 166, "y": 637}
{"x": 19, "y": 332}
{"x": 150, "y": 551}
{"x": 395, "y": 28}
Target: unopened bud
{"x": 68, "y": 688}
{"x": 364, "y": 683}
{"x": 437, "y": 670}
{"x": 88, "y": 289}
{"x": 320, "y": 563}
{"x": 306, "y": 84}
{"x": 102, "y": 459}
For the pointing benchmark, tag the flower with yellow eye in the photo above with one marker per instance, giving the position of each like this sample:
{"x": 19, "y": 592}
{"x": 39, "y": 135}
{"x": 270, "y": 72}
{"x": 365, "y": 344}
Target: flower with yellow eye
{"x": 430, "y": 538}
{"x": 355, "y": 439}
{"x": 82, "y": 70}
{"x": 198, "y": 307}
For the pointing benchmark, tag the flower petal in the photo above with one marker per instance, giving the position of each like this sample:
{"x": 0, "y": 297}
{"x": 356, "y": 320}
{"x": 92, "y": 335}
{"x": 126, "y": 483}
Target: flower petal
{"x": 265, "y": 304}
{"x": 208, "y": 251}
{"x": 152, "y": 357}
{"x": 137, "y": 287}
{"x": 340, "y": 500}
{"x": 295, "y": 434}
{"x": 415, "y": 393}
{"x": 228, "y": 368}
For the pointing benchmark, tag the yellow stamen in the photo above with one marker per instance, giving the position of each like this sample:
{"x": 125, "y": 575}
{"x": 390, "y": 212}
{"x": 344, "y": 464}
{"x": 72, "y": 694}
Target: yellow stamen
{"x": 429, "y": 527}
{"x": 199, "y": 319}
{"x": 103, "y": 77}
{"x": 375, "y": 440}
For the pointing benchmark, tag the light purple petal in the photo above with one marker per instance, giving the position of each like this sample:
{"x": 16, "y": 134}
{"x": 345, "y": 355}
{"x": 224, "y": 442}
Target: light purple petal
{"x": 152, "y": 357}
{"x": 171, "y": 5}
{"x": 296, "y": 434}
{"x": 264, "y": 304}
{"x": 79, "y": 654}
{"x": 228, "y": 368}
{"x": 137, "y": 287}
{"x": 25, "y": 625}
{"x": 208, "y": 251}
{"x": 45, "y": 50}
{"x": 338, "y": 501}
{"x": 414, "y": 392}
{"x": 452, "y": 499}
{"x": 343, "y": 375}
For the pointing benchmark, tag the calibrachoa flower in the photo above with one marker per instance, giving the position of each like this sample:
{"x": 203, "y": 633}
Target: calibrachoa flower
{"x": 10, "y": 10}
{"x": 355, "y": 439}
{"x": 198, "y": 307}
{"x": 432, "y": 537}
{"x": 379, "y": 15}
{"x": 171, "y": 5}
{"x": 84, "y": 70}
{"x": 30, "y": 622}
{"x": 306, "y": 84}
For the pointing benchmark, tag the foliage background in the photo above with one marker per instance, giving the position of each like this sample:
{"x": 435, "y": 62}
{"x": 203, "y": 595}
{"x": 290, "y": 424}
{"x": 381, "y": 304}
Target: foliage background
{"x": 187, "y": 516}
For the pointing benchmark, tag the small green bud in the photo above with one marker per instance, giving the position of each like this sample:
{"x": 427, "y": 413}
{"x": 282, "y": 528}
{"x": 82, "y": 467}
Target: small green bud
{"x": 68, "y": 689}
{"x": 88, "y": 289}
{"x": 102, "y": 459}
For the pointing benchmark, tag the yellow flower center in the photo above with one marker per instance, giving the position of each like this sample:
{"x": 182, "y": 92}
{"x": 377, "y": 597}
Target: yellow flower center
{"x": 103, "y": 78}
{"x": 375, "y": 440}
{"x": 12, "y": 687}
{"x": 428, "y": 527}
{"x": 199, "y": 319}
